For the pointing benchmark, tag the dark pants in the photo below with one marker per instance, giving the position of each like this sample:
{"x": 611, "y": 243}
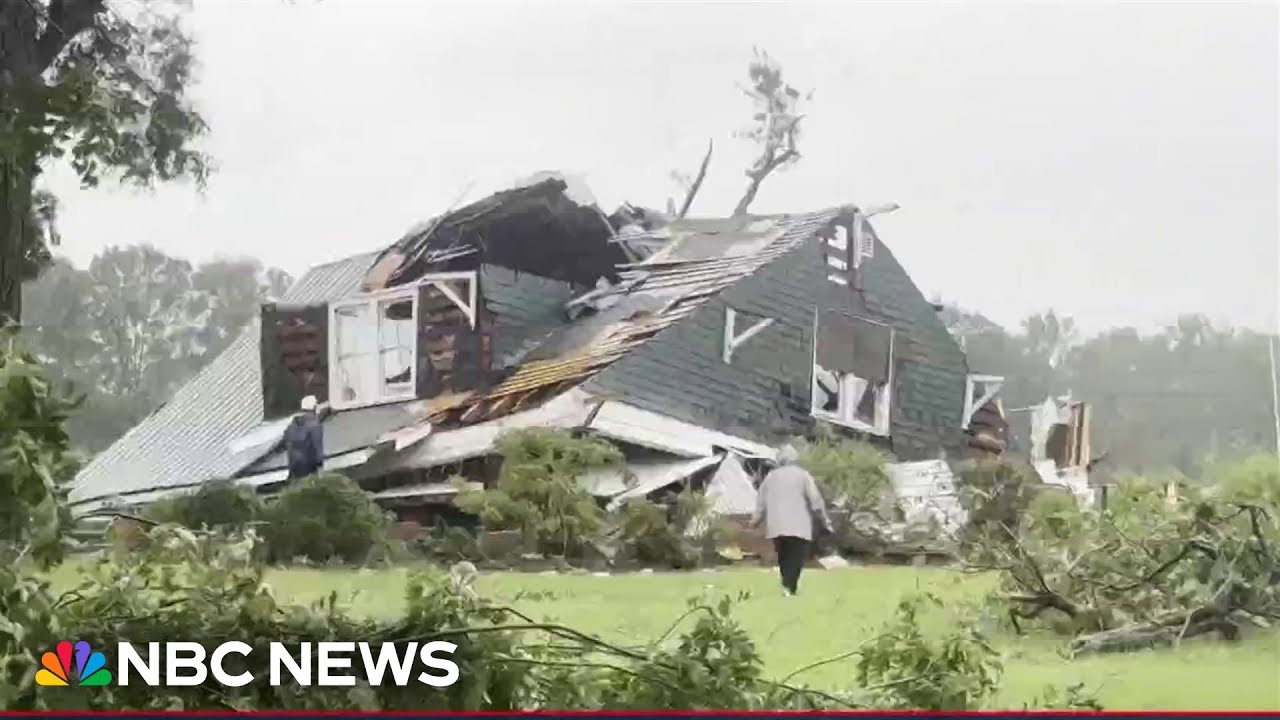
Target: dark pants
{"x": 792, "y": 553}
{"x": 302, "y": 470}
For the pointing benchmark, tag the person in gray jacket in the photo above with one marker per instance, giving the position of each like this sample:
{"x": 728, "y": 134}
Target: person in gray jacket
{"x": 787, "y": 502}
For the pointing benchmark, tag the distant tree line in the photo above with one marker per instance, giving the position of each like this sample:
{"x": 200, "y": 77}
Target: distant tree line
{"x": 136, "y": 324}
{"x": 1162, "y": 401}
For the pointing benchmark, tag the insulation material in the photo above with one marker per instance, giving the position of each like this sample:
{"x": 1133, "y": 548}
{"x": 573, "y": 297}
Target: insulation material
{"x": 731, "y": 491}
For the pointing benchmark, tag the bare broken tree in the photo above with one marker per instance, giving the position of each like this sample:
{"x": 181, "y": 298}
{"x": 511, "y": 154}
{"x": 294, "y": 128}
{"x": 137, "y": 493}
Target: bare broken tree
{"x": 776, "y": 128}
{"x": 691, "y": 187}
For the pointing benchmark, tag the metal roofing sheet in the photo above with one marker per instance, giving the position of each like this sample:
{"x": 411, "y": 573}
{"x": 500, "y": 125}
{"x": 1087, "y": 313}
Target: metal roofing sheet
{"x": 186, "y": 440}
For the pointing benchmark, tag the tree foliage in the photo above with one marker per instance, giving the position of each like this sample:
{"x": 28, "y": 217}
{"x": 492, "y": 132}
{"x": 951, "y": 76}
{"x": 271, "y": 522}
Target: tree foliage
{"x": 216, "y": 504}
{"x": 850, "y": 473}
{"x": 136, "y": 324}
{"x": 910, "y": 670}
{"x": 679, "y": 535}
{"x": 995, "y": 495}
{"x": 35, "y": 458}
{"x": 84, "y": 83}
{"x": 539, "y": 491}
{"x": 775, "y": 129}
{"x": 1148, "y": 569}
{"x": 323, "y": 518}
{"x": 1160, "y": 401}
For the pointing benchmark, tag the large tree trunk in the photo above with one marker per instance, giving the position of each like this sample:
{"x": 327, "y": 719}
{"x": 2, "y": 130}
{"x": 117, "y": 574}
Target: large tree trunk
{"x": 32, "y": 36}
{"x": 15, "y": 214}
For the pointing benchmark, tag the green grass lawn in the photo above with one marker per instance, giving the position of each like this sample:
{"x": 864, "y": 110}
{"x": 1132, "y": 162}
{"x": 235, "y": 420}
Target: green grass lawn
{"x": 834, "y": 612}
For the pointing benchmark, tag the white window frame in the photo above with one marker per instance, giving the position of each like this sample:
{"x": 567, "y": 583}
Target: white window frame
{"x": 993, "y": 383}
{"x": 372, "y": 388}
{"x": 733, "y": 338}
{"x": 375, "y": 386}
{"x": 846, "y": 414}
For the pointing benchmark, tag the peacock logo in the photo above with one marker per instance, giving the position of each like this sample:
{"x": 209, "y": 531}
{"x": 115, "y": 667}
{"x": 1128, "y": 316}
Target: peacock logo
{"x": 90, "y": 667}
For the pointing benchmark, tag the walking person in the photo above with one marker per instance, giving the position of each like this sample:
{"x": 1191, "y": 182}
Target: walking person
{"x": 787, "y": 502}
{"x": 304, "y": 441}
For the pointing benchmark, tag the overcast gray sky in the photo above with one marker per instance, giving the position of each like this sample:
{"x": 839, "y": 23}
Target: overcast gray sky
{"x": 1116, "y": 162}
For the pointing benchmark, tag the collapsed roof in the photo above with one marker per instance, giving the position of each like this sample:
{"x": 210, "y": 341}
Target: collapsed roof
{"x": 565, "y": 291}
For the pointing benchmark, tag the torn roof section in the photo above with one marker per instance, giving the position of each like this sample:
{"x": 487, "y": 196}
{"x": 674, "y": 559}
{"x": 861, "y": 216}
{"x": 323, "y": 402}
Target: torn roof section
{"x": 539, "y": 228}
{"x": 561, "y": 292}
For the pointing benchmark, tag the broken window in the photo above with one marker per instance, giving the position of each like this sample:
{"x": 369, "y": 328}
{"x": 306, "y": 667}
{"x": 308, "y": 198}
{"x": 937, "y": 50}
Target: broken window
{"x": 374, "y": 339}
{"x": 373, "y": 349}
{"x": 852, "y": 371}
{"x": 397, "y": 338}
{"x": 978, "y": 391}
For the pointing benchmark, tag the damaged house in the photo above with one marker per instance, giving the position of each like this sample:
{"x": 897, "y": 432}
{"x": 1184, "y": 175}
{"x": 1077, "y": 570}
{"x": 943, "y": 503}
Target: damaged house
{"x": 695, "y": 344}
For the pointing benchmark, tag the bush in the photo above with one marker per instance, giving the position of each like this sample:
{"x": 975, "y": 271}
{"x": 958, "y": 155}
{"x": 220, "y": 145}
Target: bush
{"x": 851, "y": 474}
{"x": 217, "y": 504}
{"x": 538, "y": 490}
{"x": 323, "y": 518}
{"x": 995, "y": 495}
{"x": 958, "y": 671}
{"x": 681, "y": 535}
{"x": 1255, "y": 480}
{"x": 35, "y": 458}
{"x": 1055, "y": 513}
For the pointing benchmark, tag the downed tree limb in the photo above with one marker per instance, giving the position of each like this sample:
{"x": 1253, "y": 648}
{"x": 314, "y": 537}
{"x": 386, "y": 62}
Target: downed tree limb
{"x": 1140, "y": 574}
{"x": 1141, "y": 637}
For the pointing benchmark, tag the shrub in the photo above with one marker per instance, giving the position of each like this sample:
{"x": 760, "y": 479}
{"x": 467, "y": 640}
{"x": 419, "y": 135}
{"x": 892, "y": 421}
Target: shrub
{"x": 995, "y": 495}
{"x": 1055, "y": 513}
{"x": 850, "y": 473}
{"x": 538, "y": 491}
{"x": 1254, "y": 480}
{"x": 322, "y": 518}
{"x": 680, "y": 535}
{"x": 957, "y": 671}
{"x": 217, "y": 504}
{"x": 35, "y": 458}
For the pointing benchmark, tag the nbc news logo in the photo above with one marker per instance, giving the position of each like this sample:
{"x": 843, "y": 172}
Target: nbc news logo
{"x": 89, "y": 669}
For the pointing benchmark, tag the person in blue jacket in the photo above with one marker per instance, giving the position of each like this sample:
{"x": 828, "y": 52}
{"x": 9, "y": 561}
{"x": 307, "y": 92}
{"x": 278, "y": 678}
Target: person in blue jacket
{"x": 304, "y": 441}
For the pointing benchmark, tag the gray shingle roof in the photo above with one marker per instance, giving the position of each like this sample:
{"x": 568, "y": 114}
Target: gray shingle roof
{"x": 185, "y": 441}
